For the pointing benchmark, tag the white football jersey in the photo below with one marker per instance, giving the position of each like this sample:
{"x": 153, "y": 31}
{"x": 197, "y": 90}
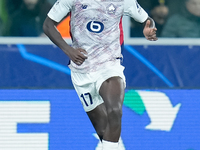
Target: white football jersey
{"x": 94, "y": 27}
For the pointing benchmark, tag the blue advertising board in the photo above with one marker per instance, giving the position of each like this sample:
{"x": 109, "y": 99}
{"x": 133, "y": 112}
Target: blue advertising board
{"x": 55, "y": 120}
{"x": 152, "y": 66}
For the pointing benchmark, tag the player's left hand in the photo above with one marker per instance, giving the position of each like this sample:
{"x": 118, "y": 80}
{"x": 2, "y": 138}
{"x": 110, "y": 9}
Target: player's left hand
{"x": 150, "y": 32}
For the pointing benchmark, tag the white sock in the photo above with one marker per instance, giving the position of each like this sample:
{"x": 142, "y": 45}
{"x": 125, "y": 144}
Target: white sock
{"x": 107, "y": 145}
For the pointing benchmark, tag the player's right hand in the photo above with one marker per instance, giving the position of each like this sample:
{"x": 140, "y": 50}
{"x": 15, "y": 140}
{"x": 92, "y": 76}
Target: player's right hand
{"x": 78, "y": 56}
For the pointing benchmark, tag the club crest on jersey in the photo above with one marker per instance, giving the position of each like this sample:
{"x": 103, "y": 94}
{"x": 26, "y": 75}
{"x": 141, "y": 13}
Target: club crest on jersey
{"x": 111, "y": 9}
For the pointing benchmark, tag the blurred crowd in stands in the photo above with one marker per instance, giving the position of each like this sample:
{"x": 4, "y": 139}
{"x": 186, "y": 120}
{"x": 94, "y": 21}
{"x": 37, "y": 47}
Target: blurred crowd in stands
{"x": 173, "y": 18}
{"x": 23, "y": 17}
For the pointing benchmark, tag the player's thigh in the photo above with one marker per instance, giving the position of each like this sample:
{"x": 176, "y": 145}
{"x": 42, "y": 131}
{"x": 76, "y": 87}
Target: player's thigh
{"x": 98, "y": 117}
{"x": 112, "y": 92}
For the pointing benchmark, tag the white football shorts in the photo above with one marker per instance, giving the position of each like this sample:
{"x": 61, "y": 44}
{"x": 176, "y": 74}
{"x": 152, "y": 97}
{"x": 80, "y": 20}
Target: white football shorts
{"x": 87, "y": 85}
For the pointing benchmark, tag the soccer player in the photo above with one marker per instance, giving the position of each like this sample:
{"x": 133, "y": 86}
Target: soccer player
{"x": 95, "y": 54}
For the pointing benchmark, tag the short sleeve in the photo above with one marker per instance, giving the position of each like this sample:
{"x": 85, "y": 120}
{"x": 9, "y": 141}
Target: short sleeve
{"x": 60, "y": 9}
{"x": 134, "y": 10}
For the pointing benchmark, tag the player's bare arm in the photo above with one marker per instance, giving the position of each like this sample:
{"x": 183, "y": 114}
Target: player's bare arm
{"x": 149, "y": 30}
{"x": 76, "y": 55}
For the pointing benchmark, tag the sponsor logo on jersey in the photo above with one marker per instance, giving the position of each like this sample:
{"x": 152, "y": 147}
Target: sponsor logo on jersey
{"x": 84, "y": 6}
{"x": 95, "y": 26}
{"x": 80, "y": 6}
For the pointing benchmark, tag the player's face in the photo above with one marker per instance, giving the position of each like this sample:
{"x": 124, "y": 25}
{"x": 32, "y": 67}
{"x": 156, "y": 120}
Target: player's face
{"x": 193, "y": 7}
{"x": 30, "y": 3}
